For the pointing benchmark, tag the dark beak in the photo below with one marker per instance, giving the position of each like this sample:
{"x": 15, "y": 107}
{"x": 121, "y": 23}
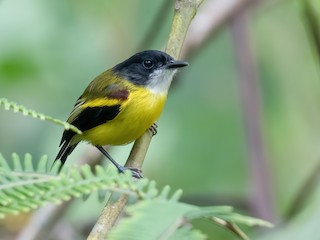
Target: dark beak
{"x": 176, "y": 64}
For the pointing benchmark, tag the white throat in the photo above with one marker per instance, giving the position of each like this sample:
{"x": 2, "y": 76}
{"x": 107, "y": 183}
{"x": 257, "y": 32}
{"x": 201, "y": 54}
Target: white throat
{"x": 160, "y": 80}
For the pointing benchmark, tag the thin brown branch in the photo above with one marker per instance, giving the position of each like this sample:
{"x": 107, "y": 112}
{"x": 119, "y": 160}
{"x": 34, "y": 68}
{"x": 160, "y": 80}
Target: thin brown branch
{"x": 185, "y": 10}
{"x": 213, "y": 15}
{"x": 43, "y": 221}
{"x": 261, "y": 194}
{"x": 231, "y": 227}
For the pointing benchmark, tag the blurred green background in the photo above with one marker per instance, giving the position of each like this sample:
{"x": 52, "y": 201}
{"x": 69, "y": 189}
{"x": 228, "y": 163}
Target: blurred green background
{"x": 51, "y": 50}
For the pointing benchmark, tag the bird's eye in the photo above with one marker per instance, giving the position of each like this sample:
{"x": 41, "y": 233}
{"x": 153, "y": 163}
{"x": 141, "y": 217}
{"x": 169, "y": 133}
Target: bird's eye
{"x": 148, "y": 64}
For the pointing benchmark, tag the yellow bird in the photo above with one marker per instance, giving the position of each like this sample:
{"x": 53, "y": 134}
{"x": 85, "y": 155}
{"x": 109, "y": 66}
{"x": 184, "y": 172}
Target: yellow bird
{"x": 120, "y": 104}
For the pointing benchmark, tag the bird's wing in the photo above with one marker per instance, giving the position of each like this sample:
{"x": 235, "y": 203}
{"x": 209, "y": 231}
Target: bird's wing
{"x": 104, "y": 98}
{"x": 92, "y": 110}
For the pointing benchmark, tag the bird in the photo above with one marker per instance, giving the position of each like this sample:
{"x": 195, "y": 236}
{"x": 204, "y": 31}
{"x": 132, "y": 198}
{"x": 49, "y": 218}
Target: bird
{"x": 120, "y": 104}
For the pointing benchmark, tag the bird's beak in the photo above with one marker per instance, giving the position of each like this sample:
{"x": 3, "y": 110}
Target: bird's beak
{"x": 176, "y": 64}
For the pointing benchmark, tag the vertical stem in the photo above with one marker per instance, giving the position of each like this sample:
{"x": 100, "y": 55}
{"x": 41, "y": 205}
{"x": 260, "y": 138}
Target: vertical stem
{"x": 261, "y": 197}
{"x": 185, "y": 10}
{"x": 42, "y": 222}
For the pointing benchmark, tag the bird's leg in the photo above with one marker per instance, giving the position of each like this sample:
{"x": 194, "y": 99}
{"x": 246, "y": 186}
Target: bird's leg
{"x": 153, "y": 129}
{"x": 135, "y": 171}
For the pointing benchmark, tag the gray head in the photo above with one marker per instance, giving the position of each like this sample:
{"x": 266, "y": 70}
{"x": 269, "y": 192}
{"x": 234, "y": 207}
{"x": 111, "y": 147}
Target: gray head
{"x": 152, "y": 69}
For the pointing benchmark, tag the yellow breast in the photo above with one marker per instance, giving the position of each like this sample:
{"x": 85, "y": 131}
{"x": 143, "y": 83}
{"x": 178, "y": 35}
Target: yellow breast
{"x": 137, "y": 114}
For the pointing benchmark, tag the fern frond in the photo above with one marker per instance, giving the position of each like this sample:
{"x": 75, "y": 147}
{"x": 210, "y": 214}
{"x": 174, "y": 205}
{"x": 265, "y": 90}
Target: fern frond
{"x": 189, "y": 233}
{"x": 7, "y": 105}
{"x": 164, "y": 219}
{"x": 24, "y": 187}
{"x": 161, "y": 218}
{"x": 242, "y": 219}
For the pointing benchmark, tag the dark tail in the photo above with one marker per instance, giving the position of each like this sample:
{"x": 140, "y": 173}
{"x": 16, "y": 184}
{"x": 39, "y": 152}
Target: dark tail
{"x": 65, "y": 150}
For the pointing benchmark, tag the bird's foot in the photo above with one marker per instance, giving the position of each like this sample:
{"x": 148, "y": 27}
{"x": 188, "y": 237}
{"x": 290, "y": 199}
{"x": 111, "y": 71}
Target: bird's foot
{"x": 136, "y": 172}
{"x": 153, "y": 129}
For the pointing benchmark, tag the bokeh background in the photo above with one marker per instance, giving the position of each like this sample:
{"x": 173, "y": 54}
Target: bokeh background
{"x": 241, "y": 125}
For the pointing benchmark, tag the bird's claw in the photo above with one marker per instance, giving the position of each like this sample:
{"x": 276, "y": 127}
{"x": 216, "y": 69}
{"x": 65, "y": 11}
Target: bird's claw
{"x": 153, "y": 129}
{"x": 136, "y": 172}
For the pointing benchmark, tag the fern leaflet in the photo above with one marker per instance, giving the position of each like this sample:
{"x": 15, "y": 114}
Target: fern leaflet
{"x": 7, "y": 105}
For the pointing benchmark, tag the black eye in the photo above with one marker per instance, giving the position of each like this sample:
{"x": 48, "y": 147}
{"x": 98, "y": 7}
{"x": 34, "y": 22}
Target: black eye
{"x": 148, "y": 64}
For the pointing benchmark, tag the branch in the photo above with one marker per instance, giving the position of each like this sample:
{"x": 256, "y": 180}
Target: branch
{"x": 261, "y": 194}
{"x": 43, "y": 221}
{"x": 231, "y": 227}
{"x": 185, "y": 10}
{"x": 184, "y": 13}
{"x": 213, "y": 15}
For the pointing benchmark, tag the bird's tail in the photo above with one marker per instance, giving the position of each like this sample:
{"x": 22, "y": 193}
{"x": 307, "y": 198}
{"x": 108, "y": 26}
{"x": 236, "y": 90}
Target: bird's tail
{"x": 65, "y": 150}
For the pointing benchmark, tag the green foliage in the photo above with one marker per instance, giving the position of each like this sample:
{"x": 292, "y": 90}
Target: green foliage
{"x": 188, "y": 233}
{"x": 170, "y": 219}
{"x": 158, "y": 214}
{"x": 163, "y": 217}
{"x": 66, "y": 43}
{"x": 24, "y": 187}
{"x": 7, "y": 105}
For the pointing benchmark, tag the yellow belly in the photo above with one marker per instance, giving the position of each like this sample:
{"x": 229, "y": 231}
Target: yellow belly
{"x": 136, "y": 115}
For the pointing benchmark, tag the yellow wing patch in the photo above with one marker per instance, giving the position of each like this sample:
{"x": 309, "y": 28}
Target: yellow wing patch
{"x": 101, "y": 102}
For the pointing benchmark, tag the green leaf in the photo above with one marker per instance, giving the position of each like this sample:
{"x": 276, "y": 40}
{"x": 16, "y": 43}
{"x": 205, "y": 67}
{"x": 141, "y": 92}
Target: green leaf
{"x": 157, "y": 214}
{"x": 201, "y": 212}
{"x": 151, "y": 219}
{"x": 7, "y": 105}
{"x": 245, "y": 220}
{"x": 24, "y": 187}
{"x": 188, "y": 233}
{"x": 3, "y": 163}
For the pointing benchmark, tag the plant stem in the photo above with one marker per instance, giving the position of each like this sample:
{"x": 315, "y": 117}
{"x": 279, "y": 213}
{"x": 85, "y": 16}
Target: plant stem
{"x": 261, "y": 199}
{"x": 185, "y": 10}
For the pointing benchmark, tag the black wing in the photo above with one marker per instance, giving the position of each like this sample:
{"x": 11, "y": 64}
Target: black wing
{"x": 87, "y": 119}
{"x": 90, "y": 117}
